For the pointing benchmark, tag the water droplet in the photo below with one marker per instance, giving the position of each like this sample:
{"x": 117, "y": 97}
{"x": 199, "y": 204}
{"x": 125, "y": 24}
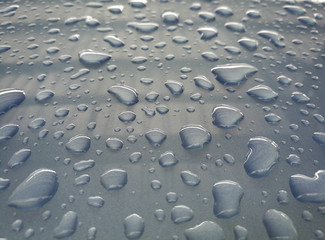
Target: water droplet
{"x": 207, "y": 33}
{"x": 233, "y": 74}
{"x": 83, "y": 165}
{"x": 180, "y": 39}
{"x": 249, "y": 44}
{"x": 143, "y": 27}
{"x": 307, "y": 216}
{"x": 252, "y": 13}
{"x": 37, "y": 123}
{"x": 44, "y": 95}
{"x": 308, "y": 21}
{"x": 190, "y": 179}
{"x": 283, "y": 197}
{"x": 29, "y": 233}
{"x": 194, "y": 137}
{"x": 203, "y": 82}
{"x": 78, "y": 144}
{"x": 293, "y": 160}
{"x": 160, "y": 215}
{"x": 155, "y": 137}
{"x": 206, "y": 230}
{"x": 62, "y": 112}
{"x": 240, "y": 232}
{"x": 133, "y": 226}
{"x": 114, "y": 144}
{"x": 115, "y": 9}
{"x": 274, "y": 37}
{"x": 4, "y": 48}
{"x": 8, "y": 131}
{"x": 80, "y": 73}
{"x": 138, "y": 3}
{"x": 235, "y": 27}
{"x": 279, "y": 226}
{"x": 17, "y": 225}
{"x": 19, "y": 158}
{"x": 227, "y": 196}
{"x": 125, "y": 94}
{"x": 82, "y": 180}
{"x": 181, "y": 214}
{"x": 226, "y": 117}
{"x": 262, "y": 157}
{"x": 67, "y": 225}
{"x": 170, "y": 17}
{"x": 300, "y": 97}
{"x": 114, "y": 179}
{"x": 4, "y": 183}
{"x": 319, "y": 137}
{"x": 263, "y": 93}
{"x": 308, "y": 189}
{"x": 89, "y": 57}
{"x": 210, "y": 56}
{"x": 114, "y": 41}
{"x": 167, "y": 159}
{"x": 207, "y": 16}
{"x": 272, "y": 118}
{"x": 294, "y": 9}
{"x": 96, "y": 201}
{"x": 92, "y": 232}
{"x": 36, "y": 190}
{"x": 171, "y": 197}
{"x": 139, "y": 60}
{"x": 135, "y": 157}
{"x": 10, "y": 98}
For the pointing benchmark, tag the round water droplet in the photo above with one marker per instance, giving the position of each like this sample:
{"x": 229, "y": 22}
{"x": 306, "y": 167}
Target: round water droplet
{"x": 194, "y": 137}
{"x": 181, "y": 214}
{"x": 226, "y": 117}
{"x": 114, "y": 179}
{"x": 78, "y": 144}
{"x": 272, "y": 118}
{"x": 114, "y": 144}
{"x": 44, "y": 95}
{"x": 133, "y": 226}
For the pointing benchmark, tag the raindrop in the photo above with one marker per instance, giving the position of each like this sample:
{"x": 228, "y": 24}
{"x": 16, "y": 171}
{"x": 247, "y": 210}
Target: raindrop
{"x": 262, "y": 157}
{"x": 203, "y": 82}
{"x": 194, "y": 137}
{"x": 272, "y": 118}
{"x": 226, "y": 117}
{"x": 89, "y": 57}
{"x": 293, "y": 160}
{"x": 37, "y": 123}
{"x": 160, "y": 215}
{"x": 284, "y": 80}
{"x": 78, "y": 144}
{"x": 263, "y": 93}
{"x": 210, "y": 56}
{"x": 319, "y": 137}
{"x": 62, "y": 112}
{"x": 190, "y": 179}
{"x": 207, "y": 16}
{"x": 114, "y": 179}
{"x": 143, "y": 27}
{"x": 82, "y": 180}
{"x": 180, "y": 39}
{"x": 233, "y": 74}
{"x": 300, "y": 97}
{"x": 83, "y": 165}
{"x": 4, "y": 48}
{"x": 115, "y": 9}
{"x": 227, "y": 196}
{"x": 19, "y": 158}
{"x": 17, "y": 225}
{"x": 155, "y": 137}
{"x": 249, "y": 44}
{"x": 167, "y": 159}
{"x": 44, "y": 95}
{"x": 133, "y": 226}
{"x": 294, "y": 9}
{"x": 240, "y": 232}
{"x": 274, "y": 37}
{"x": 135, "y": 157}
{"x": 235, "y": 27}
{"x": 10, "y": 98}
{"x": 308, "y": 189}
{"x": 67, "y": 225}
{"x": 8, "y": 131}
{"x": 96, "y": 201}
{"x": 279, "y": 226}
{"x": 283, "y": 197}
{"x": 127, "y": 116}
{"x": 126, "y": 95}
{"x": 206, "y": 230}
{"x": 181, "y": 214}
{"x": 4, "y": 183}
{"x": 114, "y": 41}
{"x": 207, "y": 33}
{"x": 114, "y": 144}
{"x": 170, "y": 17}
{"x": 36, "y": 190}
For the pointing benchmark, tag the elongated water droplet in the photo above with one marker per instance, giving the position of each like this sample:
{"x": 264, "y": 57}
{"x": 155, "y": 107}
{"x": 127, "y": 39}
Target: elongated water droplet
{"x": 203, "y": 82}
{"x": 8, "y": 131}
{"x": 114, "y": 41}
{"x": 83, "y": 165}
{"x": 19, "y": 158}
{"x": 206, "y": 230}
{"x": 176, "y": 88}
{"x": 308, "y": 189}
{"x": 36, "y": 190}
{"x": 234, "y": 73}
{"x": 89, "y": 57}
{"x": 279, "y": 226}
{"x": 44, "y": 95}
{"x": 274, "y": 37}
{"x": 67, "y": 225}
{"x": 96, "y": 201}
{"x": 263, "y": 93}
{"x": 125, "y": 94}
{"x": 145, "y": 27}
{"x": 10, "y": 98}
{"x": 189, "y": 178}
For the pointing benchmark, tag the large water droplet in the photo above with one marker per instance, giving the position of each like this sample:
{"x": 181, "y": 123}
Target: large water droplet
{"x": 114, "y": 144}
{"x": 8, "y": 131}
{"x": 176, "y": 88}
{"x": 262, "y": 157}
{"x": 181, "y": 214}
{"x": 227, "y": 117}
{"x": 78, "y": 144}
{"x": 207, "y": 33}
{"x": 37, "y": 123}
{"x": 155, "y": 137}
{"x": 300, "y": 97}
{"x": 67, "y": 225}
{"x": 167, "y": 159}
{"x": 170, "y": 17}
{"x": 144, "y": 27}
{"x": 190, "y": 179}
{"x": 279, "y": 226}
{"x": 125, "y": 94}
{"x": 114, "y": 179}
{"x": 206, "y": 230}
{"x": 36, "y": 190}
{"x": 83, "y": 165}
{"x": 44, "y": 95}
{"x": 133, "y": 226}
{"x": 274, "y": 37}
{"x": 240, "y": 232}
{"x": 308, "y": 189}
{"x": 234, "y": 73}
{"x": 19, "y": 158}
{"x": 10, "y": 98}
{"x": 194, "y": 137}
{"x": 89, "y": 57}
{"x": 227, "y": 196}
{"x": 263, "y": 93}
{"x": 96, "y": 201}
{"x": 203, "y": 82}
